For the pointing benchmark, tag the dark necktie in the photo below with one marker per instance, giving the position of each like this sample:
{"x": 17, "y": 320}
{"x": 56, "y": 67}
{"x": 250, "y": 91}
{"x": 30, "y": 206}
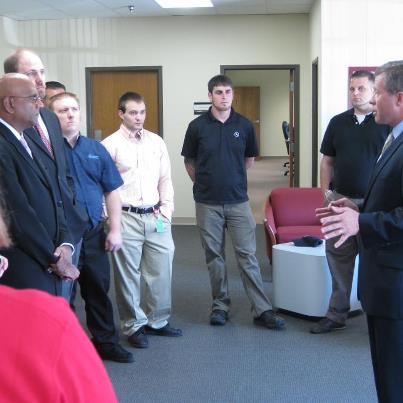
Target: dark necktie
{"x": 44, "y": 139}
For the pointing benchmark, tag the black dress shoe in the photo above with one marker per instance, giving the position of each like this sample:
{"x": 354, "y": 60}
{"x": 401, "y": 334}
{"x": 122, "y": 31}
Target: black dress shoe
{"x": 166, "y": 331}
{"x": 139, "y": 339}
{"x": 114, "y": 352}
{"x": 326, "y": 325}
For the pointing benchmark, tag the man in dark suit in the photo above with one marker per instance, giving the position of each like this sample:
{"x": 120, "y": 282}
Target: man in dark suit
{"x": 40, "y": 256}
{"x": 47, "y": 140}
{"x": 379, "y": 223}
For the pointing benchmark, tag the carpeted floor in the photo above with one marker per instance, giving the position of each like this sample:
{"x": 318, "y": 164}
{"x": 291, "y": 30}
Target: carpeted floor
{"x": 241, "y": 362}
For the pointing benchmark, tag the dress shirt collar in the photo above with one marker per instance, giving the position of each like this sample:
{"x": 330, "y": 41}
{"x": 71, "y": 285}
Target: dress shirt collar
{"x": 12, "y": 129}
{"x": 132, "y": 135}
{"x": 397, "y": 130}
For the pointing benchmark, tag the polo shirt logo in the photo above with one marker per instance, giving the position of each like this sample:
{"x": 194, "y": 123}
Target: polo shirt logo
{"x": 236, "y": 134}
{"x": 93, "y": 157}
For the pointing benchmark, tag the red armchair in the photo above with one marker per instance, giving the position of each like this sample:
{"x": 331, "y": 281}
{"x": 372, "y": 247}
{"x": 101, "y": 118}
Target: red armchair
{"x": 289, "y": 214}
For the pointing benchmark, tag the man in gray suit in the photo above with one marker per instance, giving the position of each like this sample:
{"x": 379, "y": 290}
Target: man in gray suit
{"x": 379, "y": 225}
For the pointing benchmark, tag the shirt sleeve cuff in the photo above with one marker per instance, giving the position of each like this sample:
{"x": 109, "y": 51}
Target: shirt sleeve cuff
{"x": 70, "y": 245}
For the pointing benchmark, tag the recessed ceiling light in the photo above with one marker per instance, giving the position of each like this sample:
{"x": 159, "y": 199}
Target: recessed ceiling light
{"x": 184, "y": 3}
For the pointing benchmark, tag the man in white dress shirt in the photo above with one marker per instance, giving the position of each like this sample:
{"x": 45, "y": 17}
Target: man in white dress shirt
{"x": 147, "y": 203}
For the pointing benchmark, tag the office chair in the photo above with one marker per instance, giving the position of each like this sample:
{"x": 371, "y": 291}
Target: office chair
{"x": 286, "y": 132}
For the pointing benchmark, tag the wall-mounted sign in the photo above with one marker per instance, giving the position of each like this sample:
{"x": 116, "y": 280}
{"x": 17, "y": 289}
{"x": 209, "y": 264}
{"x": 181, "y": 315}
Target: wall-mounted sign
{"x": 200, "y": 107}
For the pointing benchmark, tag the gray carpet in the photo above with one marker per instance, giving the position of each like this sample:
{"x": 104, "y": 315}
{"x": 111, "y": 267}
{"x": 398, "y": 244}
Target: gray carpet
{"x": 241, "y": 362}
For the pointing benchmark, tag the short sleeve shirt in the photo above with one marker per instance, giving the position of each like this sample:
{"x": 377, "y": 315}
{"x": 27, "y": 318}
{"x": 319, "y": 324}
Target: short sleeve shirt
{"x": 219, "y": 151}
{"x": 94, "y": 174}
{"x": 355, "y": 148}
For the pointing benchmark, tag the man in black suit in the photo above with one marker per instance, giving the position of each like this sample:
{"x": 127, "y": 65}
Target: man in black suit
{"x": 379, "y": 223}
{"x": 40, "y": 256}
{"x": 47, "y": 139}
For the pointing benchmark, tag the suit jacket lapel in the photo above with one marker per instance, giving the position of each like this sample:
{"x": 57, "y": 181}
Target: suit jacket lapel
{"x": 382, "y": 162}
{"x": 35, "y": 138}
{"x": 40, "y": 169}
{"x": 20, "y": 148}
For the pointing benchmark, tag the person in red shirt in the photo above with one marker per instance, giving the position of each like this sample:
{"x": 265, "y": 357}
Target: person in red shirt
{"x": 45, "y": 354}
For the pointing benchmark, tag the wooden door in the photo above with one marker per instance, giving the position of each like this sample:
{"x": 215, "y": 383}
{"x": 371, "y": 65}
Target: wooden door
{"x": 105, "y": 86}
{"x": 247, "y": 103}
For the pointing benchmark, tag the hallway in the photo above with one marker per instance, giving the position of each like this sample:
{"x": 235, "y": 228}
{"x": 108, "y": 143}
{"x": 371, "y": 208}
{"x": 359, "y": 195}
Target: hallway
{"x": 265, "y": 175}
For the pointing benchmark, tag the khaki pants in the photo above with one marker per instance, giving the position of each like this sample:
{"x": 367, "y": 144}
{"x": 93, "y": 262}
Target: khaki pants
{"x": 341, "y": 262}
{"x": 238, "y": 220}
{"x": 145, "y": 254}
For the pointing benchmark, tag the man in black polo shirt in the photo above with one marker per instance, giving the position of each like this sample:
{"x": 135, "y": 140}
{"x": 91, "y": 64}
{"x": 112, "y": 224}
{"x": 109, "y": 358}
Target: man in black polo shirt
{"x": 350, "y": 147}
{"x": 218, "y": 148}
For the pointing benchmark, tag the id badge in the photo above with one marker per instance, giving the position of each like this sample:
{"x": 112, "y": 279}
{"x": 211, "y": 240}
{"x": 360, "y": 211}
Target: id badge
{"x": 159, "y": 224}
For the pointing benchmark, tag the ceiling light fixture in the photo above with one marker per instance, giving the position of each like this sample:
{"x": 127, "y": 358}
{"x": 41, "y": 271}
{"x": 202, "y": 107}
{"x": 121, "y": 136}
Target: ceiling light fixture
{"x": 184, "y": 3}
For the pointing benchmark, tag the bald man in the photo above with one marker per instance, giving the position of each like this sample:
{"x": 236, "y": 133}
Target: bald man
{"x": 40, "y": 256}
{"x": 47, "y": 139}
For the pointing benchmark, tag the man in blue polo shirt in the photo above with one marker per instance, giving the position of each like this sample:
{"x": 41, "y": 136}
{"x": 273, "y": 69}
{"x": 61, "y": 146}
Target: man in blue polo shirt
{"x": 95, "y": 176}
{"x": 219, "y": 147}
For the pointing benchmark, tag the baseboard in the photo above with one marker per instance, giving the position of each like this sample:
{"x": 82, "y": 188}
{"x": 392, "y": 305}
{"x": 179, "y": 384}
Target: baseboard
{"x": 184, "y": 220}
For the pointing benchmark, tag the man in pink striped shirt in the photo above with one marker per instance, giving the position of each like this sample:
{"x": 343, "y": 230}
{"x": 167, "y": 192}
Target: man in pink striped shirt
{"x": 147, "y": 203}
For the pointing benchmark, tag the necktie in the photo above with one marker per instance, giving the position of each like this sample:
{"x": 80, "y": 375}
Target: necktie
{"x": 25, "y": 145}
{"x": 388, "y": 142}
{"x": 44, "y": 139}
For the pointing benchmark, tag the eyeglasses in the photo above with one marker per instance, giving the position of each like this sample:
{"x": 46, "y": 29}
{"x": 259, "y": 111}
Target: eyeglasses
{"x": 32, "y": 98}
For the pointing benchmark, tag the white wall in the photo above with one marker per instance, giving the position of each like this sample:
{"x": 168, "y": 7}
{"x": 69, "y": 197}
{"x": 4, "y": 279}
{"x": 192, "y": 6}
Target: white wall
{"x": 355, "y": 33}
{"x": 274, "y": 105}
{"x": 190, "y": 50}
{"x": 8, "y": 36}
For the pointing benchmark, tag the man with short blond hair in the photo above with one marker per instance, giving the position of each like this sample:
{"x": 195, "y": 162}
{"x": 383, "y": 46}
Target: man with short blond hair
{"x": 95, "y": 177}
{"x": 350, "y": 147}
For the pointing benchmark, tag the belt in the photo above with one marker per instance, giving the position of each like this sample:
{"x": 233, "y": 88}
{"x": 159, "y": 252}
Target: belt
{"x": 139, "y": 210}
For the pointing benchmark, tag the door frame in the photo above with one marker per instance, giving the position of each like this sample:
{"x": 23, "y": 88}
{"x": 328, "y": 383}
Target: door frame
{"x": 295, "y": 68}
{"x": 88, "y": 91}
{"x": 315, "y": 123}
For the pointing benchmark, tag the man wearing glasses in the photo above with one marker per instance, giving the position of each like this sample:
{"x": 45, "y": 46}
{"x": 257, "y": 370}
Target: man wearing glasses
{"x": 40, "y": 256}
{"x": 47, "y": 140}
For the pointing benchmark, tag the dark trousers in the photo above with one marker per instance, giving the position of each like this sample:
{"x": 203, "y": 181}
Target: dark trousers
{"x": 386, "y": 342}
{"x": 94, "y": 283}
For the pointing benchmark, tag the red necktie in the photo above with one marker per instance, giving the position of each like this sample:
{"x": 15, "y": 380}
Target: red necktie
{"x": 44, "y": 139}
